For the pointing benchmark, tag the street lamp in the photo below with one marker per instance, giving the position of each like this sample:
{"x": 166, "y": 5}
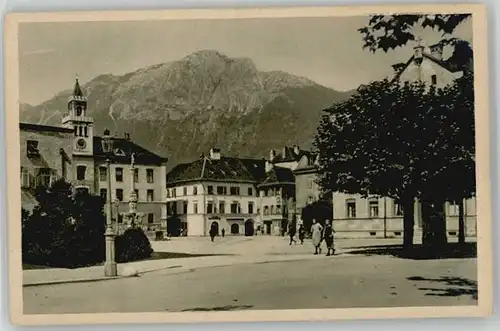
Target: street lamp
{"x": 116, "y": 203}
{"x": 110, "y": 268}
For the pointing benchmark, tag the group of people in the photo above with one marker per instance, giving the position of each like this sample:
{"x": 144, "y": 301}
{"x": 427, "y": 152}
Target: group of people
{"x": 319, "y": 233}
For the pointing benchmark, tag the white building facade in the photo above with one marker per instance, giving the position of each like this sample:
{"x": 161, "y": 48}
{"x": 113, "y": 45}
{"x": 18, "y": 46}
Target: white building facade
{"x": 214, "y": 191}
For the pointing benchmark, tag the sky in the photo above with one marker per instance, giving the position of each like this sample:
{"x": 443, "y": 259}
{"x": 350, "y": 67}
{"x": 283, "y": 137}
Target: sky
{"x": 327, "y": 50}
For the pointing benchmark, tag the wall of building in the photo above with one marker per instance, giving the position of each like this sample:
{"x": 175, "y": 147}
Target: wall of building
{"x": 388, "y": 222}
{"x": 157, "y": 207}
{"x": 50, "y": 144}
{"x": 90, "y": 179}
{"x": 424, "y": 72}
{"x": 198, "y": 221}
{"x": 306, "y": 190}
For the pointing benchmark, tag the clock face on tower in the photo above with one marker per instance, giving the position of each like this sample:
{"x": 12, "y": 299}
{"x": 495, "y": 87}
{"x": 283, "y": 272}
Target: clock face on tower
{"x": 81, "y": 143}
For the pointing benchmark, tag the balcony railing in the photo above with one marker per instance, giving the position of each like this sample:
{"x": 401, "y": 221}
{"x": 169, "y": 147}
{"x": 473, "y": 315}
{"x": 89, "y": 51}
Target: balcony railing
{"x": 73, "y": 117}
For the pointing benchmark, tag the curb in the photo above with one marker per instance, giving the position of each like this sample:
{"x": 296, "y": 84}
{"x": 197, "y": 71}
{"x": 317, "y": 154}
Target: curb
{"x": 77, "y": 280}
{"x": 98, "y": 279}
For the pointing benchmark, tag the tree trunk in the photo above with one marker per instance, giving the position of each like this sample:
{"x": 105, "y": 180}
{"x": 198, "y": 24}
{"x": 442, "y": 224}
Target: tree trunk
{"x": 434, "y": 225}
{"x": 408, "y": 222}
{"x": 461, "y": 223}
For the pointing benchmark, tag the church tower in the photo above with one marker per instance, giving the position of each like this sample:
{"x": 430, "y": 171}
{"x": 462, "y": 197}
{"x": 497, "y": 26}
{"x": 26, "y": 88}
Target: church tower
{"x": 77, "y": 119}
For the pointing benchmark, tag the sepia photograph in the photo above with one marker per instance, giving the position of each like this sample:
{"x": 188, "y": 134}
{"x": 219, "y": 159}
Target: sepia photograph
{"x": 195, "y": 163}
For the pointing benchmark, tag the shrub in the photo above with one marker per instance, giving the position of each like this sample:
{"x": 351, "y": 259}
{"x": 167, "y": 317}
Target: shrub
{"x": 132, "y": 245}
{"x": 64, "y": 230}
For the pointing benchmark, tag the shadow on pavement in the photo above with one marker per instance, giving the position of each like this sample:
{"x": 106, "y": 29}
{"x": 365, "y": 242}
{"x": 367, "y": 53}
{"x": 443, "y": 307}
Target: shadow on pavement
{"x": 419, "y": 252}
{"x": 457, "y": 286}
{"x": 223, "y": 308}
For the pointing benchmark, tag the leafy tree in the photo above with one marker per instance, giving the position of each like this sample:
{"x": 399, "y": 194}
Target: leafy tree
{"x": 367, "y": 145}
{"x": 47, "y": 232}
{"x": 320, "y": 210}
{"x": 404, "y": 141}
{"x": 88, "y": 242}
{"x": 451, "y": 174}
{"x": 388, "y": 32}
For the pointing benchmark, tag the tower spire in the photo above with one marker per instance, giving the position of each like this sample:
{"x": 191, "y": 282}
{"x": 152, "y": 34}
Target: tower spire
{"x": 77, "y": 91}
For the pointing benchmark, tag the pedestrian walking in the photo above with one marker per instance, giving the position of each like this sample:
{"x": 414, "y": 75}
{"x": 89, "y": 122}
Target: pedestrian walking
{"x": 328, "y": 235}
{"x": 291, "y": 233}
{"x": 223, "y": 232}
{"x": 302, "y": 234}
{"x": 317, "y": 236}
{"x": 213, "y": 232}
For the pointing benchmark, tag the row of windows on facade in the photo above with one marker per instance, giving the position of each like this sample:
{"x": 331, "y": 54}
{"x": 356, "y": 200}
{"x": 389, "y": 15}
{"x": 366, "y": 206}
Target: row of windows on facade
{"x": 220, "y": 208}
{"x": 150, "y": 197}
{"x": 220, "y": 190}
{"x": 103, "y": 174}
{"x": 374, "y": 211}
{"x": 44, "y": 177}
{"x": 373, "y": 208}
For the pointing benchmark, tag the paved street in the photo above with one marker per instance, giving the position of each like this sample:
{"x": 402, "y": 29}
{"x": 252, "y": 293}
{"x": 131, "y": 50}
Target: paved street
{"x": 314, "y": 282}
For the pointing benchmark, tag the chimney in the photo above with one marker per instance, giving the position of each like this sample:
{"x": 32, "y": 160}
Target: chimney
{"x": 284, "y": 152}
{"x": 215, "y": 154}
{"x": 437, "y": 51}
{"x": 268, "y": 166}
{"x": 127, "y": 135}
{"x": 296, "y": 149}
{"x": 272, "y": 155}
{"x": 418, "y": 50}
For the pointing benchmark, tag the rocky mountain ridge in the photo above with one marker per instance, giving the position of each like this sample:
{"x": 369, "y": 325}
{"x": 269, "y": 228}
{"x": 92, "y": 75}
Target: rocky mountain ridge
{"x": 183, "y": 108}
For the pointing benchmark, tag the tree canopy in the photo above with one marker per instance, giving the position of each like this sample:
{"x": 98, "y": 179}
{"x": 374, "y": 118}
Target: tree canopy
{"x": 400, "y": 140}
{"x": 64, "y": 230}
{"x": 387, "y": 32}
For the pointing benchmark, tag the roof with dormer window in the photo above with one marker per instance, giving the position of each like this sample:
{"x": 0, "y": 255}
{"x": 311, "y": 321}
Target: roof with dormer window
{"x": 122, "y": 149}
{"x": 228, "y": 169}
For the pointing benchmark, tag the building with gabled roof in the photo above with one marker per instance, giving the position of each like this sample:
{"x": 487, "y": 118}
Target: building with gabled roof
{"x": 277, "y": 200}
{"x": 427, "y": 65}
{"x": 214, "y": 191}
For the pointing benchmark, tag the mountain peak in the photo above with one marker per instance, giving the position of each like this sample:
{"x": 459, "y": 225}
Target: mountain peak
{"x": 183, "y": 107}
{"x": 205, "y": 54}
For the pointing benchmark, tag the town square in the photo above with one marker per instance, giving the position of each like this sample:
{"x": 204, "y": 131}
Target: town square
{"x": 242, "y": 169}
{"x": 262, "y": 272}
